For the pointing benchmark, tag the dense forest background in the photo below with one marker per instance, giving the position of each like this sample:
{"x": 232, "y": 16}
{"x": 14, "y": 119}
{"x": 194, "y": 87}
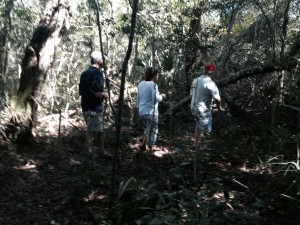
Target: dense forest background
{"x": 249, "y": 172}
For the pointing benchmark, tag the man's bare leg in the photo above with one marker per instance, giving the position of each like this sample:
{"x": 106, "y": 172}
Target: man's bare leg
{"x": 89, "y": 141}
{"x": 99, "y": 137}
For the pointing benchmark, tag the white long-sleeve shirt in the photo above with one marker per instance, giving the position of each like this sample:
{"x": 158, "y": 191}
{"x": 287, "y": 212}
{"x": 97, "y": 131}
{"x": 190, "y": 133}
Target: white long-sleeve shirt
{"x": 148, "y": 98}
{"x": 204, "y": 91}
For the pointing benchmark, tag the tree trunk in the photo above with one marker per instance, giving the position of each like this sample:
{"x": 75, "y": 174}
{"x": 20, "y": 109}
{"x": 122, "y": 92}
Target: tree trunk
{"x": 4, "y": 46}
{"x": 39, "y": 55}
{"x": 192, "y": 47}
{"x": 121, "y": 99}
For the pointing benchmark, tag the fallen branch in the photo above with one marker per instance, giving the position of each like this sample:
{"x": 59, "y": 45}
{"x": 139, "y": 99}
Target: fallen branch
{"x": 227, "y": 81}
{"x": 291, "y": 107}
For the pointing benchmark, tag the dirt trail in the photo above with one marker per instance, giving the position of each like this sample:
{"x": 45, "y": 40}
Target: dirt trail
{"x": 55, "y": 182}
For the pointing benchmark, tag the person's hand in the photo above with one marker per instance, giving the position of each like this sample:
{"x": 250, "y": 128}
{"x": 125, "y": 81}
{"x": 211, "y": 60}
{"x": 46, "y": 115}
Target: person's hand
{"x": 221, "y": 109}
{"x": 104, "y": 95}
{"x": 163, "y": 96}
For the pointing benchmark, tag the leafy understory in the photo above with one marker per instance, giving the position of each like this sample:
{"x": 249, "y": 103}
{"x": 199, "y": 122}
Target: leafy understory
{"x": 55, "y": 181}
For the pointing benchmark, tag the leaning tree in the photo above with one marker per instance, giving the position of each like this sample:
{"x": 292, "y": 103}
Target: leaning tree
{"x": 39, "y": 56}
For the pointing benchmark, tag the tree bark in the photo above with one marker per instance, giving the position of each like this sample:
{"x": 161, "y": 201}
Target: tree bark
{"x": 107, "y": 80}
{"x": 39, "y": 55}
{"x": 121, "y": 99}
{"x": 4, "y": 44}
{"x": 192, "y": 47}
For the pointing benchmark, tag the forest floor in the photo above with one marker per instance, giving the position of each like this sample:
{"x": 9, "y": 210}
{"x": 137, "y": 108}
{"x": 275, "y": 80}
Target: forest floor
{"x": 55, "y": 182}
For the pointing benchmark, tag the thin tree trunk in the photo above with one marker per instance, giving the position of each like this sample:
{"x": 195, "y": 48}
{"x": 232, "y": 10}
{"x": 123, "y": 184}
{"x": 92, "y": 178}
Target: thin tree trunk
{"x": 4, "y": 46}
{"x": 39, "y": 55}
{"x": 107, "y": 81}
{"x": 192, "y": 47}
{"x": 121, "y": 99}
{"x": 135, "y": 60}
{"x": 284, "y": 29}
{"x": 278, "y": 98}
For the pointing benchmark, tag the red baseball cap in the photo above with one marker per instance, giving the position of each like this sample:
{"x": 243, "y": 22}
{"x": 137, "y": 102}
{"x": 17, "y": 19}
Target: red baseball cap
{"x": 209, "y": 67}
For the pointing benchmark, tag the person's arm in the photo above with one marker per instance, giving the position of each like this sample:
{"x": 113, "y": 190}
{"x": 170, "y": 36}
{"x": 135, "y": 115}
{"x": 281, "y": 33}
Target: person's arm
{"x": 193, "y": 89}
{"x": 218, "y": 103}
{"x": 216, "y": 95}
{"x": 99, "y": 88}
{"x": 80, "y": 88}
{"x": 159, "y": 97}
{"x": 103, "y": 95}
{"x": 138, "y": 98}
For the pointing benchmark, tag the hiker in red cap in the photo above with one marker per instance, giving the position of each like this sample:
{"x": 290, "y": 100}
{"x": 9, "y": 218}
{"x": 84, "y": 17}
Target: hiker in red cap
{"x": 204, "y": 93}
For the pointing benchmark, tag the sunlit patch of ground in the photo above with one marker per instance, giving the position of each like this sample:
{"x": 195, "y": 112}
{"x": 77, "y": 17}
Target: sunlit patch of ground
{"x": 161, "y": 151}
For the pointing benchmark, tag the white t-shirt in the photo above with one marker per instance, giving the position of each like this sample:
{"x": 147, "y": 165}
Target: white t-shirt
{"x": 204, "y": 91}
{"x": 148, "y": 98}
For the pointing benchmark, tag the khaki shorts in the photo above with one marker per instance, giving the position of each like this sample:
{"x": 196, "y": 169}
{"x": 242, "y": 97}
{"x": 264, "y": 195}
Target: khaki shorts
{"x": 203, "y": 121}
{"x": 94, "y": 121}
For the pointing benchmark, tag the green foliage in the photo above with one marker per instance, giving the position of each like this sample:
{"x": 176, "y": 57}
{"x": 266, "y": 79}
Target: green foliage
{"x": 159, "y": 208}
{"x": 234, "y": 35}
{"x": 163, "y": 29}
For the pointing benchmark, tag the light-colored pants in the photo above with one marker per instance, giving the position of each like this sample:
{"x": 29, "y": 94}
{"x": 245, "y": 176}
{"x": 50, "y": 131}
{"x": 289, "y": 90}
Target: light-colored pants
{"x": 203, "y": 121}
{"x": 151, "y": 124}
{"x": 94, "y": 121}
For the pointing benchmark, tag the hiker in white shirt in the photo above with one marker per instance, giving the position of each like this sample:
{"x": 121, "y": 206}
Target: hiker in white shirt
{"x": 204, "y": 93}
{"x": 147, "y": 102}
